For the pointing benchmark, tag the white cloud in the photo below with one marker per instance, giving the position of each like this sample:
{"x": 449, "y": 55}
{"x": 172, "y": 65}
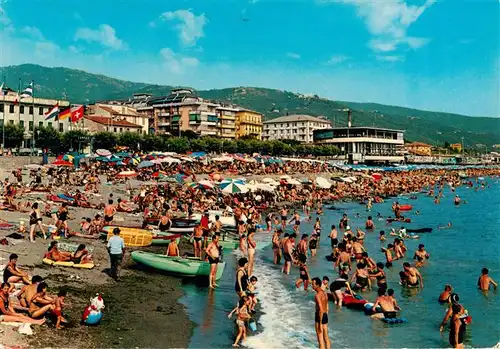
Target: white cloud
{"x": 104, "y": 35}
{"x": 337, "y": 59}
{"x": 32, "y": 32}
{"x": 293, "y": 55}
{"x": 390, "y": 58}
{"x": 46, "y": 49}
{"x": 388, "y": 21}
{"x": 176, "y": 63}
{"x": 4, "y": 19}
{"x": 190, "y": 26}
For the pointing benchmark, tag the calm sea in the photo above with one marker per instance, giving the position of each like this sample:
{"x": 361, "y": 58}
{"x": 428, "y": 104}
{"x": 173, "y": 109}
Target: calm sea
{"x": 286, "y": 318}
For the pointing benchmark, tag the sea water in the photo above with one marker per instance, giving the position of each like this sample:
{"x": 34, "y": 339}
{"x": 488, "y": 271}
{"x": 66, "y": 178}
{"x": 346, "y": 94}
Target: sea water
{"x": 286, "y": 315}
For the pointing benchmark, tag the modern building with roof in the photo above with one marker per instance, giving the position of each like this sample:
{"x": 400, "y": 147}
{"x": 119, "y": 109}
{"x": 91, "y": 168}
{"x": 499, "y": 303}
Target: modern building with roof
{"x": 30, "y": 113}
{"x": 296, "y": 127}
{"x": 365, "y": 144}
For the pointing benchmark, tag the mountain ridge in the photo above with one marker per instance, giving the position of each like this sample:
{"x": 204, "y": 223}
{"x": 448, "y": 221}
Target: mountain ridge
{"x": 431, "y": 127}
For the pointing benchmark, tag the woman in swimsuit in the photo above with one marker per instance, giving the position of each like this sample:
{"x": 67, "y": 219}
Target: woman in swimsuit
{"x": 56, "y": 255}
{"x": 251, "y": 250}
{"x": 35, "y": 221}
{"x": 313, "y": 244}
{"x": 276, "y": 246}
{"x": 81, "y": 255}
{"x": 62, "y": 216}
{"x": 242, "y": 229}
{"x": 379, "y": 274}
{"x": 241, "y": 284}
{"x": 40, "y": 304}
{"x": 336, "y": 288}
{"x": 457, "y": 327}
{"x": 362, "y": 278}
{"x": 164, "y": 224}
{"x": 303, "y": 273}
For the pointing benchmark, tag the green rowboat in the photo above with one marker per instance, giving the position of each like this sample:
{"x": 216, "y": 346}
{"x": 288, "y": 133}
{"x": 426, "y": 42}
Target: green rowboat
{"x": 177, "y": 265}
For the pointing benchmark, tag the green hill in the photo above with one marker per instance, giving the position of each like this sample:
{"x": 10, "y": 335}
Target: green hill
{"x": 425, "y": 126}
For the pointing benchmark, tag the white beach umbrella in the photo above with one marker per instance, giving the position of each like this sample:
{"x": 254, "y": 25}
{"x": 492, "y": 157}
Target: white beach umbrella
{"x": 323, "y": 183}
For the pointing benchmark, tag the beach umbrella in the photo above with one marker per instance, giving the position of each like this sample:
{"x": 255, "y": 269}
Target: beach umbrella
{"x": 145, "y": 164}
{"x": 179, "y": 178}
{"x": 159, "y": 174}
{"x": 252, "y": 182}
{"x": 126, "y": 174}
{"x": 293, "y": 181}
{"x": 206, "y": 184}
{"x": 230, "y": 180}
{"x": 103, "y": 152}
{"x": 123, "y": 154}
{"x": 62, "y": 163}
{"x": 323, "y": 183}
{"x": 232, "y": 187}
{"x": 120, "y": 163}
{"x": 68, "y": 157}
{"x": 265, "y": 187}
{"x": 223, "y": 159}
{"x": 198, "y": 154}
{"x": 170, "y": 160}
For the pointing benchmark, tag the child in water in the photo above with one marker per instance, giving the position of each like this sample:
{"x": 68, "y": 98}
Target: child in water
{"x": 242, "y": 310}
{"x": 304, "y": 273}
{"x": 382, "y": 235}
{"x": 251, "y": 293}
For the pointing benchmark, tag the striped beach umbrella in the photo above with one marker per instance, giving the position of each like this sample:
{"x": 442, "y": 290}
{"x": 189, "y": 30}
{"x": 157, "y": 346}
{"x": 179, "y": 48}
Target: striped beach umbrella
{"x": 233, "y": 186}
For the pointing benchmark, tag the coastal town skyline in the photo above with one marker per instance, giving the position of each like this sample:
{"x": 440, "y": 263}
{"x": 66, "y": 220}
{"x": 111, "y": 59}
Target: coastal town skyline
{"x": 380, "y": 52}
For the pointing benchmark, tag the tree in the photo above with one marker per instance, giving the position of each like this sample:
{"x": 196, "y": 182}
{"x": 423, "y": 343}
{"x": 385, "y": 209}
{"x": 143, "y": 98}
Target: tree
{"x": 153, "y": 142}
{"x": 104, "y": 140}
{"x": 132, "y": 140}
{"x": 14, "y": 135}
{"x": 189, "y": 134}
{"x": 74, "y": 140}
{"x": 48, "y": 137}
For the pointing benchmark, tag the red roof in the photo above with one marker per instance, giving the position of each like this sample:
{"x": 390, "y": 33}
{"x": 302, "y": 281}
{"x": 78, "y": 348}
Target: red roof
{"x": 104, "y": 120}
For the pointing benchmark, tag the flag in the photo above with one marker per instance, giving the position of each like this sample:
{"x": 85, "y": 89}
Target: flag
{"x": 64, "y": 114}
{"x": 2, "y": 92}
{"x": 28, "y": 91}
{"x": 52, "y": 113}
{"x": 77, "y": 114}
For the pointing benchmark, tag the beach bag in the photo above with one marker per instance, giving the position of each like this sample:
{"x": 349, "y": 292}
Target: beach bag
{"x": 252, "y": 325}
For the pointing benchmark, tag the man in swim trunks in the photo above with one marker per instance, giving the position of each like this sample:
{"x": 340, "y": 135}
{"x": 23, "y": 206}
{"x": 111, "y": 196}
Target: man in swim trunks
{"x": 333, "y": 237}
{"x": 413, "y": 276}
{"x": 287, "y": 253}
{"x": 420, "y": 255}
{"x": 302, "y": 246}
{"x": 485, "y": 281}
{"x": 284, "y": 213}
{"x": 388, "y": 305}
{"x": 109, "y": 212}
{"x": 321, "y": 314}
{"x": 197, "y": 236}
{"x": 213, "y": 255}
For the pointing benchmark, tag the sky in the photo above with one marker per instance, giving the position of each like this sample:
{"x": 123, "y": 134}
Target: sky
{"x": 426, "y": 54}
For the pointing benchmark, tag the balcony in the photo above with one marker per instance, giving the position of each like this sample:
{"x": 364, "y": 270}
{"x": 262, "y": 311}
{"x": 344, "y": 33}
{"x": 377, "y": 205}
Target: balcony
{"x": 227, "y": 117}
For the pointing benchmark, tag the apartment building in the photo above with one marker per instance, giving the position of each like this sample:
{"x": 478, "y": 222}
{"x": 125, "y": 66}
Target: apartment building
{"x": 248, "y": 123}
{"x": 30, "y": 113}
{"x": 227, "y": 121}
{"x": 296, "y": 127}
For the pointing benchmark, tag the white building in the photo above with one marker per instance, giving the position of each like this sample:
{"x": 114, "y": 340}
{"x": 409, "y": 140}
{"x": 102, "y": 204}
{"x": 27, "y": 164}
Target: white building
{"x": 297, "y": 127}
{"x": 30, "y": 114}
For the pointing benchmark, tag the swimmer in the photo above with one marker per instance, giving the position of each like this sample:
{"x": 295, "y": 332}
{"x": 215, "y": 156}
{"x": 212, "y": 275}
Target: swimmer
{"x": 447, "y": 226}
{"x": 369, "y": 225}
{"x": 387, "y": 304}
{"x": 326, "y": 281}
{"x": 421, "y": 255}
{"x": 444, "y": 297}
{"x": 413, "y": 276}
{"x": 485, "y": 281}
{"x": 382, "y": 235}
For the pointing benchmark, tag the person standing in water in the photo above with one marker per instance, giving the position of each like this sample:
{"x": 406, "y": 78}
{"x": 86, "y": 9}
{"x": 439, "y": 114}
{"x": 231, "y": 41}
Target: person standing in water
{"x": 251, "y": 250}
{"x": 277, "y": 246}
{"x": 485, "y": 281}
{"x": 457, "y": 327}
{"x": 321, "y": 314}
{"x": 284, "y": 214}
{"x": 333, "y": 237}
{"x": 213, "y": 256}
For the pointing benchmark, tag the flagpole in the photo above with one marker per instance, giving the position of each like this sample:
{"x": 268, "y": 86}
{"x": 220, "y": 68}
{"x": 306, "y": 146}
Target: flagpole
{"x": 33, "y": 117}
{"x": 19, "y": 102}
{"x": 3, "y": 116}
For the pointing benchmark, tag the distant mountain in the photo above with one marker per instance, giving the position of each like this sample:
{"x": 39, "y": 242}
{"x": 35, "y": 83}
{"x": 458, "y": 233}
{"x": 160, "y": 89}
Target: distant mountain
{"x": 425, "y": 126}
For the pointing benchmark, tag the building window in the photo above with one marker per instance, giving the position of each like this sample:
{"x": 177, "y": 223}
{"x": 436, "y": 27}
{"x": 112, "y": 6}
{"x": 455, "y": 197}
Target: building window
{"x": 11, "y": 122}
{"x": 49, "y": 124}
{"x": 61, "y": 127}
{"x": 121, "y": 130}
{"x": 11, "y": 108}
{"x": 31, "y": 110}
{"x": 40, "y": 111}
{"x": 21, "y": 123}
{"x": 114, "y": 130}
{"x": 40, "y": 124}
{"x": 21, "y": 109}
{"x": 2, "y": 108}
{"x": 30, "y": 125}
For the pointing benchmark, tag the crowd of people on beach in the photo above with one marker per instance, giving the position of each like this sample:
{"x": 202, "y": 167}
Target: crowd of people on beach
{"x": 280, "y": 212}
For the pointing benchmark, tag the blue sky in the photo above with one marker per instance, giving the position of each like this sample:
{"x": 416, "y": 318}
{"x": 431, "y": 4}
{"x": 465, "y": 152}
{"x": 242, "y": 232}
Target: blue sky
{"x": 436, "y": 55}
